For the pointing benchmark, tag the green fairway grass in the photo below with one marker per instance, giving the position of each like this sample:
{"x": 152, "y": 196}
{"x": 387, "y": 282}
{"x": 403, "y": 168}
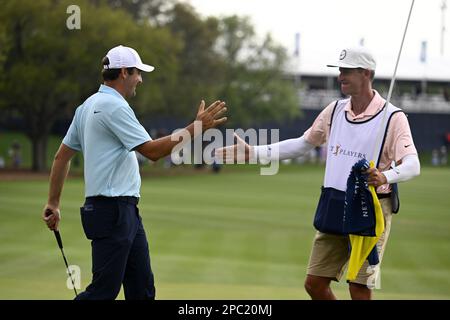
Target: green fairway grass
{"x": 235, "y": 235}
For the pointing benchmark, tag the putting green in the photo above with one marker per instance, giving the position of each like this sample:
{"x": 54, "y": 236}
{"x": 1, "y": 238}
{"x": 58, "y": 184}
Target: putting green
{"x": 235, "y": 235}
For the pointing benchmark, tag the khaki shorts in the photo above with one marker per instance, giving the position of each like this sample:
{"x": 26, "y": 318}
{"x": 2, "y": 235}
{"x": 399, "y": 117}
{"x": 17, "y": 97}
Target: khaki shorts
{"x": 330, "y": 253}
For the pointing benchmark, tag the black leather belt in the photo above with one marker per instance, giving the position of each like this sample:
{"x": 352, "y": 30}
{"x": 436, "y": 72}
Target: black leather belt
{"x": 128, "y": 199}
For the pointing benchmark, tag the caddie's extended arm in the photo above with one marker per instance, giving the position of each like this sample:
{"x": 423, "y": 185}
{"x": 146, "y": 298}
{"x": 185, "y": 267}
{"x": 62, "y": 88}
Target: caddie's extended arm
{"x": 408, "y": 169}
{"x": 287, "y": 149}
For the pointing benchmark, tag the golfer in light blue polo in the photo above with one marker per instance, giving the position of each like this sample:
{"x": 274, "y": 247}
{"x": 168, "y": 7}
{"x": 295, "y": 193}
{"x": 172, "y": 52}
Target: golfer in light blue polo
{"x": 107, "y": 132}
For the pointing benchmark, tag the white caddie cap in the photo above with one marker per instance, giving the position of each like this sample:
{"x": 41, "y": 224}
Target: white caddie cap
{"x": 125, "y": 57}
{"x": 357, "y": 57}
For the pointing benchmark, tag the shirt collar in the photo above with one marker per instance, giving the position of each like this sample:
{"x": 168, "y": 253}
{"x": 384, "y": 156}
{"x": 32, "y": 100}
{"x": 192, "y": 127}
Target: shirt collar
{"x": 109, "y": 90}
{"x": 375, "y": 105}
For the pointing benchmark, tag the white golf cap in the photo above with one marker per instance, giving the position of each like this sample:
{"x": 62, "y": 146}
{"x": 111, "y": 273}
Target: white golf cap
{"x": 357, "y": 57}
{"x": 125, "y": 57}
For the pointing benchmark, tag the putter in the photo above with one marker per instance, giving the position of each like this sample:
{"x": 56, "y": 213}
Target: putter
{"x": 391, "y": 86}
{"x": 48, "y": 212}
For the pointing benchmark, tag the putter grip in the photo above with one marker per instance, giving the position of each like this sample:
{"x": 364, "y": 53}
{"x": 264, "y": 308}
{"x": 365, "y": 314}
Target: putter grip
{"x": 58, "y": 239}
{"x": 57, "y": 235}
{"x": 48, "y": 212}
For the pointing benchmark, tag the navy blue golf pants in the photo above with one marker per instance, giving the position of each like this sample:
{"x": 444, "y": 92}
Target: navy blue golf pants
{"x": 120, "y": 253}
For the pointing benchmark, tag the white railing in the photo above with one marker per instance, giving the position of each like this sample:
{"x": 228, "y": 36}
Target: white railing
{"x": 424, "y": 103}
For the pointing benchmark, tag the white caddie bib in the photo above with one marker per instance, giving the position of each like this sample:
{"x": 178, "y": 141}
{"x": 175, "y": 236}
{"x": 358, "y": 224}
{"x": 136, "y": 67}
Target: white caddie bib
{"x": 351, "y": 141}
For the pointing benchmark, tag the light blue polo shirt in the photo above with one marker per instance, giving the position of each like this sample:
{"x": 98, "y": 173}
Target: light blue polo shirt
{"x": 106, "y": 130}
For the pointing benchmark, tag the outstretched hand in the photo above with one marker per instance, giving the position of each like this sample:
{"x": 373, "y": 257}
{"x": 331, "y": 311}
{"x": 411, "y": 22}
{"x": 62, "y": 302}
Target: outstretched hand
{"x": 210, "y": 117}
{"x": 239, "y": 152}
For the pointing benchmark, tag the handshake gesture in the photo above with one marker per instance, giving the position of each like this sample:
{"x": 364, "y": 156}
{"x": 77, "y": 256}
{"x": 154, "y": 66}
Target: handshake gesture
{"x": 241, "y": 152}
{"x": 210, "y": 117}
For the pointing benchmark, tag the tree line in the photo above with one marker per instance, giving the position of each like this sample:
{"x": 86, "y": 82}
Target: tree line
{"x": 47, "y": 69}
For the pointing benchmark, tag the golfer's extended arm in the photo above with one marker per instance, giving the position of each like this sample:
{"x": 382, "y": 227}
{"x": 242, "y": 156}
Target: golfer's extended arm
{"x": 287, "y": 149}
{"x": 58, "y": 174}
{"x": 159, "y": 148}
{"x": 408, "y": 169}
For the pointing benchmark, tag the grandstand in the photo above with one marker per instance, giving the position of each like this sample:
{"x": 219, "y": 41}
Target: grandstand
{"x": 421, "y": 90}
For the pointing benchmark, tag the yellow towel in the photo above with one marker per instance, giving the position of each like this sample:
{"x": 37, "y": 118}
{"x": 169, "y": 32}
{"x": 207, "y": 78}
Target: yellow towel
{"x": 361, "y": 245}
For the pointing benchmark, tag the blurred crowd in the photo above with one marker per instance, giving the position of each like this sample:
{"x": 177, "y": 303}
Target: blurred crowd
{"x": 14, "y": 156}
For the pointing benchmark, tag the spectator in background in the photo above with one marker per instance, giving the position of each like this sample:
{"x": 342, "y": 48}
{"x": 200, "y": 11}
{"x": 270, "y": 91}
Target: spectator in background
{"x": 418, "y": 90}
{"x": 323, "y": 154}
{"x": 216, "y": 167}
{"x": 168, "y": 159}
{"x": 435, "y": 158}
{"x": 446, "y": 94}
{"x": 15, "y": 153}
{"x": 443, "y": 156}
